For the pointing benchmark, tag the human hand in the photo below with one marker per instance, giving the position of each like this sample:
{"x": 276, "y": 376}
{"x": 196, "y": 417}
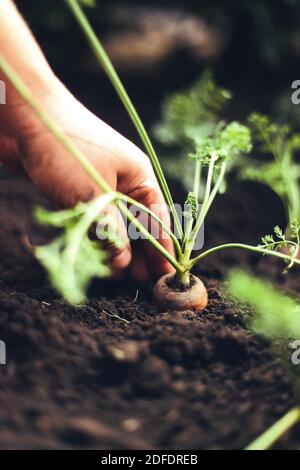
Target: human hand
{"x": 28, "y": 145}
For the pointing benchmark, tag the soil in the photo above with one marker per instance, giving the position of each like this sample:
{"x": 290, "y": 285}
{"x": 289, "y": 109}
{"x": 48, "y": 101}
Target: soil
{"x": 116, "y": 374}
{"x": 176, "y": 286}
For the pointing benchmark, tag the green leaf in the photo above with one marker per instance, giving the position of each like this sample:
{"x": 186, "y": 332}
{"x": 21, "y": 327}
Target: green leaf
{"x": 228, "y": 143}
{"x": 71, "y": 267}
{"x": 192, "y": 203}
{"x": 278, "y": 232}
{"x": 205, "y": 152}
{"x": 192, "y": 114}
{"x": 295, "y": 230}
{"x": 265, "y": 130}
{"x": 73, "y": 259}
{"x": 290, "y": 241}
{"x": 276, "y": 243}
{"x": 293, "y": 143}
{"x": 282, "y": 173}
{"x": 59, "y": 218}
{"x": 276, "y": 314}
{"x": 269, "y": 174}
{"x": 235, "y": 139}
{"x": 189, "y": 117}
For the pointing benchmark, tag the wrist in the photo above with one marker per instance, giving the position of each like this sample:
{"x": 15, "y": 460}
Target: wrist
{"x": 17, "y": 119}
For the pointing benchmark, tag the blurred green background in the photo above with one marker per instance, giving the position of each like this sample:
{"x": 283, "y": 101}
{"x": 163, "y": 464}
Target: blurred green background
{"x": 253, "y": 47}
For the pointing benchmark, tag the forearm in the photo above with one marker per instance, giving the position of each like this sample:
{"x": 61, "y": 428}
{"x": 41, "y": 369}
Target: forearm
{"x": 22, "y": 52}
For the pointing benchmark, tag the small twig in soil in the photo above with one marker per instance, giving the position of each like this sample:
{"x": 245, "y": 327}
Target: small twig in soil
{"x": 115, "y": 316}
{"x": 136, "y": 297}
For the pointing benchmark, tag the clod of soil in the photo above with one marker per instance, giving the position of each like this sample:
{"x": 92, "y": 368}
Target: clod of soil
{"x": 168, "y": 297}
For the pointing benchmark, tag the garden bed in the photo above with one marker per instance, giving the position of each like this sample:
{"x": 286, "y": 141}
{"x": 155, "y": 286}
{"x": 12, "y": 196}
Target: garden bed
{"x": 118, "y": 374}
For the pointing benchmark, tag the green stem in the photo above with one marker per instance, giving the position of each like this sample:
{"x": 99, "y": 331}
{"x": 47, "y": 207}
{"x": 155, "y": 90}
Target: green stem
{"x": 183, "y": 277}
{"x": 294, "y": 202}
{"x": 242, "y": 246}
{"x": 145, "y": 209}
{"x": 108, "y": 67}
{"x": 217, "y": 186}
{"x": 58, "y": 132}
{"x": 123, "y": 208}
{"x": 214, "y": 158}
{"x": 191, "y": 234}
{"x": 207, "y": 201}
{"x": 196, "y": 187}
{"x": 275, "y": 432}
{"x": 197, "y": 178}
{"x": 296, "y": 251}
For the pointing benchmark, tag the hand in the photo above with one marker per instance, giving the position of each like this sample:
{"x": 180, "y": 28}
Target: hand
{"x": 27, "y": 144}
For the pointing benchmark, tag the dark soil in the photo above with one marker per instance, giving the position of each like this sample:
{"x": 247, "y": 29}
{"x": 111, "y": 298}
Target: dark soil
{"x": 116, "y": 373}
{"x": 178, "y": 287}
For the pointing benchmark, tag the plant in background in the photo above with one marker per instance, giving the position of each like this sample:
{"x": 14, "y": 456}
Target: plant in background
{"x": 189, "y": 117}
{"x": 277, "y": 317}
{"x": 282, "y": 172}
{"x": 73, "y": 259}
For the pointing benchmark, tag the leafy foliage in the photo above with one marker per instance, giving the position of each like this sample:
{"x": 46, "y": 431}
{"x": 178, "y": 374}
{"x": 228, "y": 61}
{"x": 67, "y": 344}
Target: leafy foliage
{"x": 188, "y": 118}
{"x": 290, "y": 241}
{"x": 277, "y": 315}
{"x": 228, "y": 142}
{"x": 279, "y": 239}
{"x": 282, "y": 173}
{"x": 274, "y": 242}
{"x": 192, "y": 114}
{"x": 192, "y": 204}
{"x": 73, "y": 259}
{"x": 191, "y": 123}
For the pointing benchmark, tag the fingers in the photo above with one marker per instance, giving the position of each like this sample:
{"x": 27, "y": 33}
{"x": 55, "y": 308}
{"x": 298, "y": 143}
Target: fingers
{"x": 149, "y": 194}
{"x": 119, "y": 250}
{"x": 141, "y": 184}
